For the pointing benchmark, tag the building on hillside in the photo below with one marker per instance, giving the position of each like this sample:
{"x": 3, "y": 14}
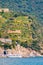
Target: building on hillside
{"x": 4, "y": 9}
{"x": 6, "y": 40}
{"x": 16, "y": 31}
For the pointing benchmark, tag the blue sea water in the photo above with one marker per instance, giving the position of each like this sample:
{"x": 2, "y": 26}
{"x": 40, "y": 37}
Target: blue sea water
{"x": 21, "y": 61}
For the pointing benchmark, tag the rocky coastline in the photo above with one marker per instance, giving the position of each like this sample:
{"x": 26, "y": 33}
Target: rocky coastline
{"x": 19, "y": 50}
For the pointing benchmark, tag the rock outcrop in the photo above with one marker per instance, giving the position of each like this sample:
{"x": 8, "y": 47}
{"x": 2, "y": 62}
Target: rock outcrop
{"x": 19, "y": 50}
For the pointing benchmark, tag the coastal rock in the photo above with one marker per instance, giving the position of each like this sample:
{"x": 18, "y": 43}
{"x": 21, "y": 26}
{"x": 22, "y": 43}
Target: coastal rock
{"x": 19, "y": 50}
{"x": 24, "y": 52}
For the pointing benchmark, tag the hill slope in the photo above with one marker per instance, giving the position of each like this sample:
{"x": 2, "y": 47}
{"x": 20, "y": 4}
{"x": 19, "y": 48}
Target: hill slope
{"x": 23, "y": 30}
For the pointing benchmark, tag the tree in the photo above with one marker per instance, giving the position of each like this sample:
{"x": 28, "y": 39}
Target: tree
{"x": 7, "y": 46}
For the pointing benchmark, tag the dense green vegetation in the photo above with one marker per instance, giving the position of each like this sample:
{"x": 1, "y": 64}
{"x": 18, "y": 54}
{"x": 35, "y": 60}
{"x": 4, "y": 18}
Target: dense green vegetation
{"x": 29, "y": 31}
{"x": 25, "y": 6}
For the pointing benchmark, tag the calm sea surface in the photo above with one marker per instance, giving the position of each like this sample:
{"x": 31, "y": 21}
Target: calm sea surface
{"x": 21, "y": 61}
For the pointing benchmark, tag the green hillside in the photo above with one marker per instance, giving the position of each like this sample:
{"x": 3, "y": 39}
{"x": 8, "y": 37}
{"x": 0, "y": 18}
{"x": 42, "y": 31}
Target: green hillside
{"x": 25, "y": 6}
{"x": 21, "y": 29}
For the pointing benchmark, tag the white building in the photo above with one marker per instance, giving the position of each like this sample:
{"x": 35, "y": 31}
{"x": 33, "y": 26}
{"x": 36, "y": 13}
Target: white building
{"x": 6, "y": 40}
{"x": 4, "y": 9}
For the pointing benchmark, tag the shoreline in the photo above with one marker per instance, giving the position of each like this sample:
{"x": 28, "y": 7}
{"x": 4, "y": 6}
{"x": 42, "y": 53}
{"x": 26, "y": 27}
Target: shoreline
{"x": 20, "y": 57}
{"x": 19, "y": 52}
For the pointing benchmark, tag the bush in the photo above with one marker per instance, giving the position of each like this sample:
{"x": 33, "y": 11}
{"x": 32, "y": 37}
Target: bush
{"x": 35, "y": 46}
{"x": 0, "y": 44}
{"x": 24, "y": 44}
{"x": 6, "y": 46}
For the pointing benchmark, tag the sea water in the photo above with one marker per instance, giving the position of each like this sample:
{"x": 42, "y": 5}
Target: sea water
{"x": 21, "y": 61}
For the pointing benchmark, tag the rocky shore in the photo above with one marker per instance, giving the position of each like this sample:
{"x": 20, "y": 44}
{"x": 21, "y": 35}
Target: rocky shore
{"x": 19, "y": 50}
